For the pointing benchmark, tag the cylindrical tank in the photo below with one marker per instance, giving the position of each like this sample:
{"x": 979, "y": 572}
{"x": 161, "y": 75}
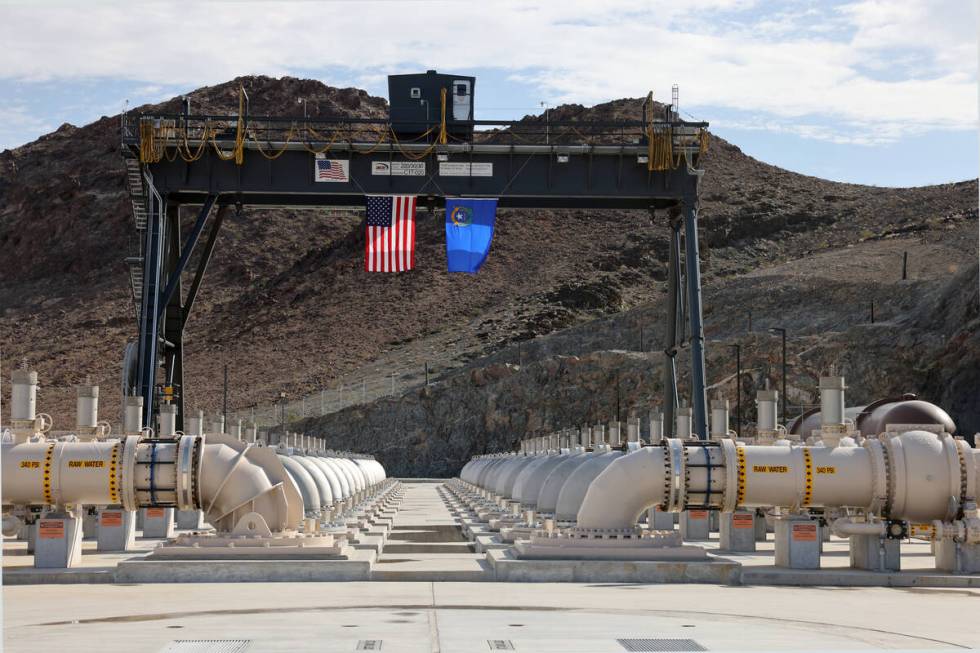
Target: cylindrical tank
{"x": 656, "y": 426}
{"x": 167, "y": 420}
{"x": 134, "y": 415}
{"x": 832, "y": 400}
{"x": 23, "y": 395}
{"x": 767, "y": 402}
{"x": 719, "y": 418}
{"x": 87, "y": 406}
{"x": 684, "y": 418}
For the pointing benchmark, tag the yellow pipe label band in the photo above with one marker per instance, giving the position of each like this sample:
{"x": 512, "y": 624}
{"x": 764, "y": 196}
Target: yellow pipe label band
{"x": 740, "y": 456}
{"x": 47, "y": 474}
{"x": 808, "y": 481}
{"x": 113, "y": 485}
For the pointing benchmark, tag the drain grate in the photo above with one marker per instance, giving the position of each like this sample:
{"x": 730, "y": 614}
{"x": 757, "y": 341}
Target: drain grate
{"x": 369, "y": 645}
{"x": 500, "y": 644}
{"x": 660, "y": 645}
{"x": 207, "y": 646}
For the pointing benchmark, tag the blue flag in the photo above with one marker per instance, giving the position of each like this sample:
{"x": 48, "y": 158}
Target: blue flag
{"x": 469, "y": 230}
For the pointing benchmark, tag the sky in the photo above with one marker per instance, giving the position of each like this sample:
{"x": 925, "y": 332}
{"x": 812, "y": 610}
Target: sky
{"x": 879, "y": 92}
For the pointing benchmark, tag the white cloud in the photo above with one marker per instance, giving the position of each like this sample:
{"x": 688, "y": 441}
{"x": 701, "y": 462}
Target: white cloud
{"x": 879, "y": 66}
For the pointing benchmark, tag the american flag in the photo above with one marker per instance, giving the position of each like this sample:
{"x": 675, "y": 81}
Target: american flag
{"x": 330, "y": 169}
{"x": 390, "y": 238}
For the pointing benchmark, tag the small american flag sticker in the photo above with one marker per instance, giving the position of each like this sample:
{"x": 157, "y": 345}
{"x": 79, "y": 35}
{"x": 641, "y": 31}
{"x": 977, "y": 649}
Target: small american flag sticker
{"x": 335, "y": 170}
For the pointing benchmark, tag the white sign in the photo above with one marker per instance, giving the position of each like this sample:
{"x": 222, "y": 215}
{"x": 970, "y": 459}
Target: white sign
{"x": 459, "y": 169}
{"x": 398, "y": 168}
{"x": 331, "y": 170}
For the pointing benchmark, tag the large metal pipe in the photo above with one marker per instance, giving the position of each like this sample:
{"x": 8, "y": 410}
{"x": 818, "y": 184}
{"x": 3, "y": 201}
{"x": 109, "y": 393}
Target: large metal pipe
{"x": 917, "y": 476}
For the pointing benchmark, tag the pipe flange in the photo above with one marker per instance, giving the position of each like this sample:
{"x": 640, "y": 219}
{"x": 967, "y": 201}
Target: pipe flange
{"x": 957, "y": 486}
{"x": 677, "y": 488}
{"x": 733, "y": 473}
{"x": 969, "y": 480}
{"x": 127, "y": 466}
{"x": 188, "y": 461}
{"x": 879, "y": 476}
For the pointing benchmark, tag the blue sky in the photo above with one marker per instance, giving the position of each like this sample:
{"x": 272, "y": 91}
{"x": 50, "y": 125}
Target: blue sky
{"x": 868, "y": 91}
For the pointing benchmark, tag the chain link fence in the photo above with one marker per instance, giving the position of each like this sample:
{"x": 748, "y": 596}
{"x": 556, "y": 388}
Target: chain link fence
{"x": 339, "y": 395}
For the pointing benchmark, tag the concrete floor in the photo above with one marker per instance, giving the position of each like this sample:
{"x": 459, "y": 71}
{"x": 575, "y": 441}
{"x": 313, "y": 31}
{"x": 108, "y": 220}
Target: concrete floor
{"x": 465, "y": 616}
{"x": 448, "y": 615}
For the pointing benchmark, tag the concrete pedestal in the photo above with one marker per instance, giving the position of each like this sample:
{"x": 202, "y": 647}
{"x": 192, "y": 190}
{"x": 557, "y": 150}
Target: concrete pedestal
{"x": 761, "y": 531}
{"x": 90, "y": 523}
{"x": 117, "y": 529}
{"x": 957, "y": 558}
{"x": 694, "y": 525}
{"x": 874, "y": 553}
{"x": 158, "y": 522}
{"x": 797, "y": 543}
{"x": 737, "y": 530}
{"x": 59, "y": 541}
{"x": 660, "y": 520}
{"x": 190, "y": 519}
{"x": 29, "y": 532}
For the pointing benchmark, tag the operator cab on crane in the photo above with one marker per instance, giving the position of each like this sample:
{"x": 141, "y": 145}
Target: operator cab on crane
{"x": 416, "y": 104}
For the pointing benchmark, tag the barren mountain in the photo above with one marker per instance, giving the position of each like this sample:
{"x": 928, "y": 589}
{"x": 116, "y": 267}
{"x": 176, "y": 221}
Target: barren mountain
{"x": 287, "y": 306}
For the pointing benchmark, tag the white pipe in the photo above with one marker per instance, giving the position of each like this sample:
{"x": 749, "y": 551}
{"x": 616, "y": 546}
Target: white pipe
{"x": 915, "y": 474}
{"x": 845, "y": 527}
{"x": 636, "y": 484}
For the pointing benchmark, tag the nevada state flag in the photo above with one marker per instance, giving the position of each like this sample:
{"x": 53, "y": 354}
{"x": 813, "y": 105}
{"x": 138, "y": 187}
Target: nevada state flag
{"x": 469, "y": 231}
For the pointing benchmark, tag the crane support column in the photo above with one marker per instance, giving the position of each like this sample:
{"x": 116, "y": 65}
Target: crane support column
{"x": 673, "y": 315}
{"x": 699, "y": 397}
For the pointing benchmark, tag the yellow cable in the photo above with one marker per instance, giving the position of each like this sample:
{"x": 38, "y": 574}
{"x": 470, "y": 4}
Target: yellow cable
{"x": 276, "y": 155}
{"x": 442, "y": 125}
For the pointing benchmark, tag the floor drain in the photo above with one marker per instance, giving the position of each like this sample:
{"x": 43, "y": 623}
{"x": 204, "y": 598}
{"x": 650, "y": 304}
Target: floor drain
{"x": 207, "y": 646}
{"x": 369, "y": 645}
{"x": 500, "y": 644}
{"x": 660, "y": 645}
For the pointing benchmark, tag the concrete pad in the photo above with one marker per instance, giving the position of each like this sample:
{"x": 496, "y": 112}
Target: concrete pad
{"x": 432, "y": 568}
{"x": 508, "y": 568}
{"x": 238, "y": 571}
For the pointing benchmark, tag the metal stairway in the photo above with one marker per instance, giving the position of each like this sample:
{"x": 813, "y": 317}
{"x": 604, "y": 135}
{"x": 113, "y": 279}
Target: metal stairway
{"x": 138, "y": 199}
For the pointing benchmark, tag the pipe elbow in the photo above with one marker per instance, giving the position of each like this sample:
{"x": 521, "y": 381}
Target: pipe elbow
{"x": 237, "y": 479}
{"x": 623, "y": 490}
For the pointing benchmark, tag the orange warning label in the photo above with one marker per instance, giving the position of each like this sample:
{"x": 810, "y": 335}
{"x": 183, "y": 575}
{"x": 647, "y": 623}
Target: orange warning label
{"x": 155, "y": 513}
{"x": 697, "y": 514}
{"x": 804, "y": 532}
{"x": 51, "y": 529}
{"x": 111, "y": 518}
{"x": 743, "y": 520}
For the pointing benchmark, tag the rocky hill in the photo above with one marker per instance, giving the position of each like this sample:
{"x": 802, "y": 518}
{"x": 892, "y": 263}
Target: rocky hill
{"x": 288, "y": 307}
